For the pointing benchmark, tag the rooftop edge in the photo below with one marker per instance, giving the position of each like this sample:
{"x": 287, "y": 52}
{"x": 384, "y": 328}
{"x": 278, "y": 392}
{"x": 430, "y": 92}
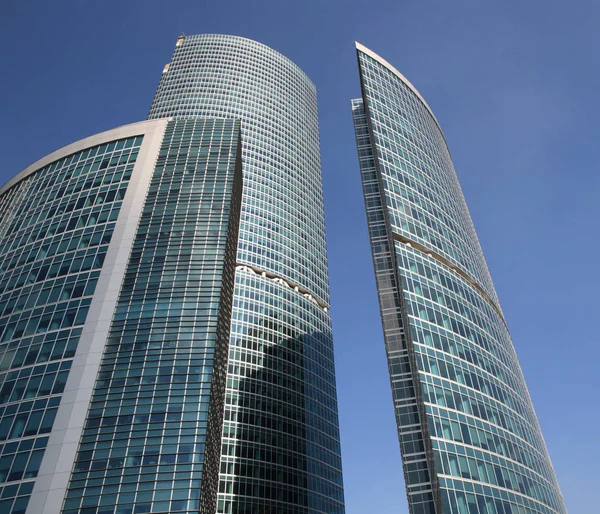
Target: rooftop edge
{"x": 383, "y": 62}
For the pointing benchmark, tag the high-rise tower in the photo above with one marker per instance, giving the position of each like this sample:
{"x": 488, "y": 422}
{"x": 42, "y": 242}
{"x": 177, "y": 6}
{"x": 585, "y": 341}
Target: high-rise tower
{"x": 469, "y": 436}
{"x": 281, "y": 450}
{"x": 117, "y": 255}
{"x": 135, "y": 265}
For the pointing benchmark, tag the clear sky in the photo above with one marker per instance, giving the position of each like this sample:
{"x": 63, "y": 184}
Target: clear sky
{"x": 514, "y": 86}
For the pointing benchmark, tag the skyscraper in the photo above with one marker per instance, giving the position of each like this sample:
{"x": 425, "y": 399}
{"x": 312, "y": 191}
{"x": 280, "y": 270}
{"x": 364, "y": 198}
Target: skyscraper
{"x": 151, "y": 306}
{"x": 281, "y": 450}
{"x": 469, "y": 436}
{"x": 118, "y": 262}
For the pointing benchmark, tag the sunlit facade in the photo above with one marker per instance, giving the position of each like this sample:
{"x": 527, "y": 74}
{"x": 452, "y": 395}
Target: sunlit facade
{"x": 281, "y": 449}
{"x": 469, "y": 436}
{"x": 117, "y": 261}
{"x": 165, "y": 336}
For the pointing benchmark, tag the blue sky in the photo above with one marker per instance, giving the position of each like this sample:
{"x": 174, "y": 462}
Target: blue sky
{"x": 514, "y": 86}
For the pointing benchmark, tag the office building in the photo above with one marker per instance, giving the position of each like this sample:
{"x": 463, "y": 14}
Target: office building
{"x": 469, "y": 436}
{"x": 281, "y": 450}
{"x": 165, "y": 336}
{"x": 118, "y": 261}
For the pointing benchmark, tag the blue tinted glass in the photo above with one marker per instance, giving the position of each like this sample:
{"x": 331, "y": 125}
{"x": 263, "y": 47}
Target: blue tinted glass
{"x": 55, "y": 226}
{"x": 281, "y": 450}
{"x": 152, "y": 430}
{"x": 469, "y": 437}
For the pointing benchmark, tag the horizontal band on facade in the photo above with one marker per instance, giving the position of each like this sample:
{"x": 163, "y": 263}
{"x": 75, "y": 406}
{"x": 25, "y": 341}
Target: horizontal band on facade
{"x": 284, "y": 281}
{"x": 447, "y": 263}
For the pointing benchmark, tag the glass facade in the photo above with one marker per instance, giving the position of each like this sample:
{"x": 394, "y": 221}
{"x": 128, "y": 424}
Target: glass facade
{"x": 151, "y": 441}
{"x": 55, "y": 228}
{"x": 469, "y": 437}
{"x": 281, "y": 450}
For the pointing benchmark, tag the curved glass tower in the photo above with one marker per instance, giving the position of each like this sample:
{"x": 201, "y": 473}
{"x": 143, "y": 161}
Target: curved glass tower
{"x": 469, "y": 436}
{"x": 117, "y": 269}
{"x": 281, "y": 450}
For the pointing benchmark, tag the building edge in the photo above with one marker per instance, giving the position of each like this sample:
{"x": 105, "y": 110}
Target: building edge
{"x": 402, "y": 317}
{"x": 362, "y": 48}
{"x": 57, "y": 464}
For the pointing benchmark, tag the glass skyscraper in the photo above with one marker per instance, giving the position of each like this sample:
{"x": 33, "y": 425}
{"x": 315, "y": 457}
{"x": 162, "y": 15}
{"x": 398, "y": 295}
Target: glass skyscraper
{"x": 469, "y": 436}
{"x": 281, "y": 449}
{"x": 165, "y": 336}
{"x": 117, "y": 256}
